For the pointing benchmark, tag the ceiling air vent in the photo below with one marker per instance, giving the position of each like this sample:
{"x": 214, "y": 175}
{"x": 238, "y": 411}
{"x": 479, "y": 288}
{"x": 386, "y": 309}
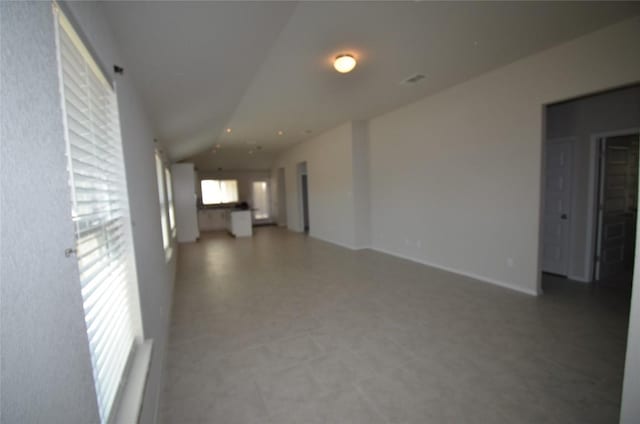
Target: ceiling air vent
{"x": 413, "y": 79}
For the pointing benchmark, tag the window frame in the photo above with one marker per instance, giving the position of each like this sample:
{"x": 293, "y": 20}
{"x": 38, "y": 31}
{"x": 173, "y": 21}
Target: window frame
{"x": 167, "y": 239}
{"x": 168, "y": 177}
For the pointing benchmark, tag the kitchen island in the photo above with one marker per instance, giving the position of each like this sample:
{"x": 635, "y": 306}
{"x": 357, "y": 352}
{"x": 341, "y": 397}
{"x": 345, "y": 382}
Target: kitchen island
{"x": 238, "y": 222}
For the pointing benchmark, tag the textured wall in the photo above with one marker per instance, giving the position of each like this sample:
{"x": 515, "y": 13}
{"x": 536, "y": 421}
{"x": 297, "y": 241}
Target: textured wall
{"x": 46, "y": 367}
{"x": 361, "y": 184}
{"x": 46, "y": 370}
{"x": 155, "y": 275}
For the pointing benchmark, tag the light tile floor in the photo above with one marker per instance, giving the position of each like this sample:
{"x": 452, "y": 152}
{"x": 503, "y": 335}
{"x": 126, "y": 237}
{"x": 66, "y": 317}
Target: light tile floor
{"x": 282, "y": 328}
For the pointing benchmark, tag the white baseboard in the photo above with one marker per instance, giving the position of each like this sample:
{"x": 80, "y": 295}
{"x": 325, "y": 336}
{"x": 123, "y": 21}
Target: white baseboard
{"x": 579, "y": 278}
{"x": 443, "y": 268}
{"x": 346, "y": 246}
{"x": 459, "y": 272}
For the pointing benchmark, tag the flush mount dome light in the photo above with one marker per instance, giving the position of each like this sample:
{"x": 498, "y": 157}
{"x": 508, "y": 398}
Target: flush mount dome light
{"x": 344, "y": 63}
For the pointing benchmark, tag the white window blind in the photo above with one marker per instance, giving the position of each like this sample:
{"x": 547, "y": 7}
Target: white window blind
{"x": 172, "y": 213}
{"x": 166, "y": 242}
{"x": 219, "y": 191}
{"x": 100, "y": 213}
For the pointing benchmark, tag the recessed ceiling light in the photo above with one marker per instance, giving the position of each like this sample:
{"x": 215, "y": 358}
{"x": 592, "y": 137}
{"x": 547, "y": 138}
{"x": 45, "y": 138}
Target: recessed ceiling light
{"x": 344, "y": 63}
{"x": 280, "y": 132}
{"x": 228, "y": 130}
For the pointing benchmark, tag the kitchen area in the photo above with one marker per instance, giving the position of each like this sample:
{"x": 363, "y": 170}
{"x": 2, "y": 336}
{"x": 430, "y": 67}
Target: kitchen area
{"x": 231, "y": 201}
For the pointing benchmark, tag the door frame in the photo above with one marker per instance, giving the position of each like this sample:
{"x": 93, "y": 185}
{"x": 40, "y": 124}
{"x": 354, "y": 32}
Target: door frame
{"x": 302, "y": 168}
{"x": 281, "y": 190}
{"x": 568, "y": 243}
{"x": 593, "y": 196}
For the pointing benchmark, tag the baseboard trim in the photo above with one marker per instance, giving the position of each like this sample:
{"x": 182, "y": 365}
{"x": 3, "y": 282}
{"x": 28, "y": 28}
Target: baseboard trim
{"x": 579, "y": 278}
{"x": 346, "y": 246}
{"x": 458, "y": 272}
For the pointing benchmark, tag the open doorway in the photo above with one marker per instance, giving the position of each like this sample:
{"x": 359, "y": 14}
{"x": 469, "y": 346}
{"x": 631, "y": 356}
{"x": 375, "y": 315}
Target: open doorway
{"x": 304, "y": 196}
{"x": 588, "y": 226}
{"x": 589, "y": 187}
{"x": 260, "y": 201}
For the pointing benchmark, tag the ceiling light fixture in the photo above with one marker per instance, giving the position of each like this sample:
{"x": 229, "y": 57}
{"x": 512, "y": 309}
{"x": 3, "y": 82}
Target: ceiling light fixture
{"x": 344, "y": 63}
{"x": 280, "y": 132}
{"x": 228, "y": 130}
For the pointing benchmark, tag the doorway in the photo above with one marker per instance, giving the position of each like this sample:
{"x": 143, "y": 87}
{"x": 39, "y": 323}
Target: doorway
{"x": 260, "y": 197}
{"x": 577, "y": 132}
{"x": 304, "y": 196}
{"x": 617, "y": 205}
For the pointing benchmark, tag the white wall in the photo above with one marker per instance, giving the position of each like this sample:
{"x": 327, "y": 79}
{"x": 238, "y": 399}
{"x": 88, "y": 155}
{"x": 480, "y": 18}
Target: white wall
{"x": 459, "y": 171}
{"x": 46, "y": 369}
{"x": 184, "y": 195}
{"x": 361, "y": 184}
{"x": 581, "y": 118}
{"x": 330, "y": 182}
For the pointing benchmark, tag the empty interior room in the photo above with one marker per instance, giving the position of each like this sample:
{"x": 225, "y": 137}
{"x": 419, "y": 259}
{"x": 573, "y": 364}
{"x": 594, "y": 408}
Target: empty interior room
{"x": 305, "y": 212}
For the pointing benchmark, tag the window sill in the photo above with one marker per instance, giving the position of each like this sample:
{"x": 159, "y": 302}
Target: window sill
{"x": 133, "y": 391}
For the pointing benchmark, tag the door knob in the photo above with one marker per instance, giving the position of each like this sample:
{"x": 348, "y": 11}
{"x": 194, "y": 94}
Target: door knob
{"x": 563, "y": 216}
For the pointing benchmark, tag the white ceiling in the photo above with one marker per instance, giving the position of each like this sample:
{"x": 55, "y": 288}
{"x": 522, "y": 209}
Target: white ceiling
{"x": 260, "y": 67}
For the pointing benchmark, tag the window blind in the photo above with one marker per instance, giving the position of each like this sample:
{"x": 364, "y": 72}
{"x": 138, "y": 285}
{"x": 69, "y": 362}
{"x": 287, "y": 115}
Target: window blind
{"x": 219, "y": 191}
{"x": 100, "y": 213}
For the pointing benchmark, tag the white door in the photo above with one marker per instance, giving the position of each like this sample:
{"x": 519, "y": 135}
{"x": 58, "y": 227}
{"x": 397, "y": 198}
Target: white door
{"x": 557, "y": 207}
{"x": 617, "y": 207}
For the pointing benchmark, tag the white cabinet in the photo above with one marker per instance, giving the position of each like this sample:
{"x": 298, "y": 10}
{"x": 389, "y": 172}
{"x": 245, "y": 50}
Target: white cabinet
{"x": 184, "y": 199}
{"x": 212, "y": 219}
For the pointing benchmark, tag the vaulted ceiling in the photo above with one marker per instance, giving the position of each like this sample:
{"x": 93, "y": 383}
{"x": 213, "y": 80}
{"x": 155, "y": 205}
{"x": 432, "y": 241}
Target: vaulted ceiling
{"x": 263, "y": 67}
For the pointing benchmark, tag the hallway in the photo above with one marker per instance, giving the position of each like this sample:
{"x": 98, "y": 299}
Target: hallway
{"x": 282, "y": 328}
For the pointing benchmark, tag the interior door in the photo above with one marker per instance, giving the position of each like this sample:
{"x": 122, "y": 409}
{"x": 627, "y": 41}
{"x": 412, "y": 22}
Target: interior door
{"x": 617, "y": 207}
{"x": 557, "y": 207}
